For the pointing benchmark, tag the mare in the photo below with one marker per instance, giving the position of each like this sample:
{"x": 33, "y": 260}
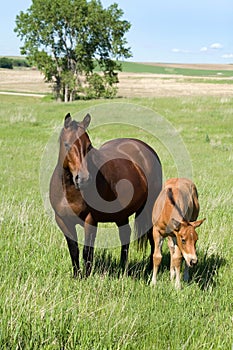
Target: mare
{"x": 108, "y": 184}
{"x": 174, "y": 216}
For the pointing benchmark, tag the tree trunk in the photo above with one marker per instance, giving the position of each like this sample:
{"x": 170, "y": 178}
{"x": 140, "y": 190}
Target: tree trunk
{"x": 72, "y": 95}
{"x": 57, "y": 90}
{"x": 66, "y": 93}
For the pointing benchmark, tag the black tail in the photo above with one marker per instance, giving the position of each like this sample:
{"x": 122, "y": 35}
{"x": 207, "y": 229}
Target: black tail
{"x": 142, "y": 226}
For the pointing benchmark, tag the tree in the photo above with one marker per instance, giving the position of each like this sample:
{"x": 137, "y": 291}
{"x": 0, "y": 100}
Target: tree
{"x": 6, "y": 63}
{"x": 68, "y": 39}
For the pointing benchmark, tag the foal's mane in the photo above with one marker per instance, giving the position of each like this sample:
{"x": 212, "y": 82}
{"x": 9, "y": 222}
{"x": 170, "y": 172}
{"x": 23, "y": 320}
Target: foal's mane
{"x": 173, "y": 202}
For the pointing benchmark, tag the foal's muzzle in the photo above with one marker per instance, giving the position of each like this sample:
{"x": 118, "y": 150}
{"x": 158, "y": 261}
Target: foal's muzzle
{"x": 193, "y": 262}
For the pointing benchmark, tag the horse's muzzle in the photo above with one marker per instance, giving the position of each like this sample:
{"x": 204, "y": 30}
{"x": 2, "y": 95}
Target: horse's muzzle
{"x": 81, "y": 182}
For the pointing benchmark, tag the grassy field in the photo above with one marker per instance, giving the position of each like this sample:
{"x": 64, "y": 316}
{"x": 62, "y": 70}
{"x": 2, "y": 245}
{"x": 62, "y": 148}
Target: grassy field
{"x": 42, "y": 307}
{"x": 134, "y": 67}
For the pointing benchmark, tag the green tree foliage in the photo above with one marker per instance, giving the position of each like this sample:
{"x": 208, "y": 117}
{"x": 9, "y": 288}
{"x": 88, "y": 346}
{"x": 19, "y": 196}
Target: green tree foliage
{"x": 67, "y": 39}
{"x": 6, "y": 63}
{"x": 10, "y": 63}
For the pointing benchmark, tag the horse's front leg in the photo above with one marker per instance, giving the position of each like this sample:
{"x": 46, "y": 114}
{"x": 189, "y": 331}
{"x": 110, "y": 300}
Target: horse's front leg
{"x": 124, "y": 233}
{"x": 90, "y": 228}
{"x": 69, "y": 230}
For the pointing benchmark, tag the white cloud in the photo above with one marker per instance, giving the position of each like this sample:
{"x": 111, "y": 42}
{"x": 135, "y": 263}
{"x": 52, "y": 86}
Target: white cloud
{"x": 204, "y": 49}
{"x": 216, "y": 46}
{"x": 180, "y": 50}
{"x": 227, "y": 55}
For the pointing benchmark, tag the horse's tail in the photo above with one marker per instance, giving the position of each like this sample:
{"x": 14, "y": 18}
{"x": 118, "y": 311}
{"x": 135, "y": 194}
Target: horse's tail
{"x": 142, "y": 227}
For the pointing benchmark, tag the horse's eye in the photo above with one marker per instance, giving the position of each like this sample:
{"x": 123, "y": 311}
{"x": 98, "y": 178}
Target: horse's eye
{"x": 67, "y": 146}
{"x": 183, "y": 240}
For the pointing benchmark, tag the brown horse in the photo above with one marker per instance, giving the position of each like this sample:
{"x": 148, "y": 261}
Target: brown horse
{"x": 89, "y": 186}
{"x": 174, "y": 216}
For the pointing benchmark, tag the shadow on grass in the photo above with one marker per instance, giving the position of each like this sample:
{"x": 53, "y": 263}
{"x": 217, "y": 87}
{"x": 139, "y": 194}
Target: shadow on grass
{"x": 204, "y": 274}
{"x": 106, "y": 264}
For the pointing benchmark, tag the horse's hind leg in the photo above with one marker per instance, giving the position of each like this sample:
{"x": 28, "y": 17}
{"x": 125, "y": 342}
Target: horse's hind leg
{"x": 69, "y": 230}
{"x": 152, "y": 246}
{"x": 124, "y": 233}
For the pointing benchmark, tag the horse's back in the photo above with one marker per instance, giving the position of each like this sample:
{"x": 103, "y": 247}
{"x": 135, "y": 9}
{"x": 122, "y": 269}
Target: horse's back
{"x": 136, "y": 151}
{"x": 185, "y": 193}
{"x": 129, "y": 146}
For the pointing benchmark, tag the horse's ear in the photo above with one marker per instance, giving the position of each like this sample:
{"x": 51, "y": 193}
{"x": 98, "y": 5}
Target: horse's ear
{"x": 86, "y": 121}
{"x": 67, "y": 121}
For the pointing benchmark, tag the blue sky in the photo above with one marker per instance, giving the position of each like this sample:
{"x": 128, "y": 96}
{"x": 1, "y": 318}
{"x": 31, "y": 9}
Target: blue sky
{"x": 176, "y": 31}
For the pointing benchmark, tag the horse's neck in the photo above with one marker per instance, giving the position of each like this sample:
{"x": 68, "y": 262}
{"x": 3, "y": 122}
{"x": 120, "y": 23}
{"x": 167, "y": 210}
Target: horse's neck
{"x": 97, "y": 158}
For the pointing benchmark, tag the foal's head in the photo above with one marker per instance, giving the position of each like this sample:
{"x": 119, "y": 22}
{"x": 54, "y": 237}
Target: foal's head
{"x": 74, "y": 146}
{"x": 187, "y": 237}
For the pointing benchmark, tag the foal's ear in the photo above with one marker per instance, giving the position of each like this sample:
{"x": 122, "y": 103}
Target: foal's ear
{"x": 197, "y": 223}
{"x": 67, "y": 121}
{"x": 86, "y": 121}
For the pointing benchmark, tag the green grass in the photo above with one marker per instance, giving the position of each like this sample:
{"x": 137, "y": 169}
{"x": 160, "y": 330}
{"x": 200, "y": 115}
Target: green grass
{"x": 42, "y": 307}
{"x": 133, "y": 67}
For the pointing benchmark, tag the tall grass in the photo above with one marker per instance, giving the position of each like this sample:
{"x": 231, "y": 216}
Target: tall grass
{"x": 42, "y": 307}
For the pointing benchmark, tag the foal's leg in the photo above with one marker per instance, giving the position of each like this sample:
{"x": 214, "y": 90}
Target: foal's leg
{"x": 69, "y": 230}
{"x": 90, "y": 228}
{"x": 176, "y": 259}
{"x": 124, "y": 233}
{"x": 157, "y": 256}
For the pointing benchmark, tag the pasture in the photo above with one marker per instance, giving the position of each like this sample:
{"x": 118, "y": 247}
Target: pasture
{"x": 42, "y": 307}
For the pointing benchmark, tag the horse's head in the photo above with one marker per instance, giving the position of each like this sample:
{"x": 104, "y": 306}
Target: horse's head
{"x": 186, "y": 239}
{"x": 74, "y": 146}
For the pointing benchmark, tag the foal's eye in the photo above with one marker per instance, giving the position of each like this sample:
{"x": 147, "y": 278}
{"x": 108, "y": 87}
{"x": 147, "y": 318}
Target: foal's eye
{"x": 183, "y": 241}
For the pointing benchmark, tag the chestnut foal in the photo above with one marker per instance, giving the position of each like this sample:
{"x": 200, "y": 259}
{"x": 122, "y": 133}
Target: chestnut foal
{"x": 174, "y": 216}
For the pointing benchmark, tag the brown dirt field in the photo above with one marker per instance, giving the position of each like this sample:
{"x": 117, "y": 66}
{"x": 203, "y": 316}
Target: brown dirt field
{"x": 25, "y": 80}
{"x": 131, "y": 84}
{"x": 152, "y": 85}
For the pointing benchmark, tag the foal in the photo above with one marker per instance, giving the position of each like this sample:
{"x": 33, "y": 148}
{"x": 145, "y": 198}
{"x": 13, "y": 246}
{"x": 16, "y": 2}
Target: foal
{"x": 174, "y": 216}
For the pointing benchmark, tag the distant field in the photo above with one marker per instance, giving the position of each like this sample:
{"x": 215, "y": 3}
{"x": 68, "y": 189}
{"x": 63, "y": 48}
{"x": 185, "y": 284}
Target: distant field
{"x": 141, "y": 80}
{"x": 180, "y": 69}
